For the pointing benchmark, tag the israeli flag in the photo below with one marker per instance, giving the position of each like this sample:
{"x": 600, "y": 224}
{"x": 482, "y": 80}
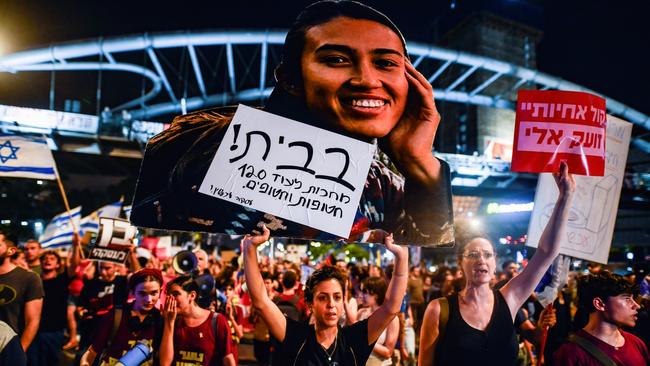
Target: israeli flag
{"x": 26, "y": 157}
{"x": 59, "y": 233}
{"x": 90, "y": 223}
{"x": 127, "y": 211}
{"x": 554, "y": 280}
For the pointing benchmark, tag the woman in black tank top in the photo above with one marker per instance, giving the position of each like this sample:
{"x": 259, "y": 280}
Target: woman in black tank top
{"x": 463, "y": 344}
{"x": 480, "y": 329}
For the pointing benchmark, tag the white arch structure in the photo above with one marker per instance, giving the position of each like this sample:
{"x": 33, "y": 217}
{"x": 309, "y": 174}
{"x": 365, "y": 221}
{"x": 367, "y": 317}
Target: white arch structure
{"x": 74, "y": 56}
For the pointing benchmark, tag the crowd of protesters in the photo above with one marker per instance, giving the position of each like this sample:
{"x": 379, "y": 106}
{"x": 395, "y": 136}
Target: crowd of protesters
{"x": 115, "y": 308}
{"x": 345, "y": 67}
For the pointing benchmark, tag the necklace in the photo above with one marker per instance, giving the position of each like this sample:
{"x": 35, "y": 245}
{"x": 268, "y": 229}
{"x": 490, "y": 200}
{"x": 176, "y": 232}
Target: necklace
{"x": 329, "y": 355}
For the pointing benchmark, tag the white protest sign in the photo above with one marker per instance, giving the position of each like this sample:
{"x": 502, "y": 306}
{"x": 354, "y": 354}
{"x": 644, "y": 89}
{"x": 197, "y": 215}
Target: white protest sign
{"x": 594, "y": 206}
{"x": 113, "y": 241}
{"x": 291, "y": 170}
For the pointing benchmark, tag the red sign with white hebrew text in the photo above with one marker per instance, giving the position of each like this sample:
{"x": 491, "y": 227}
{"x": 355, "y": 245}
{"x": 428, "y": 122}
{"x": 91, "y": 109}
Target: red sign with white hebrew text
{"x": 555, "y": 126}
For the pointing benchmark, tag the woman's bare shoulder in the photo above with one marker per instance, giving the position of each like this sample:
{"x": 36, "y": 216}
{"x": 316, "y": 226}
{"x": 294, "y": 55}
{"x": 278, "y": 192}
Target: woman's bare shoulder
{"x": 433, "y": 310}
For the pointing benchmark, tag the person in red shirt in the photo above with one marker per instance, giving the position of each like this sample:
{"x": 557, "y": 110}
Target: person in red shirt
{"x": 136, "y": 321}
{"x": 193, "y": 335}
{"x": 610, "y": 302}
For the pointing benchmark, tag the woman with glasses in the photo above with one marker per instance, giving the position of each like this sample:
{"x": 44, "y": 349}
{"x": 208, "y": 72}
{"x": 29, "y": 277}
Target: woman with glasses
{"x": 373, "y": 293}
{"x": 479, "y": 325}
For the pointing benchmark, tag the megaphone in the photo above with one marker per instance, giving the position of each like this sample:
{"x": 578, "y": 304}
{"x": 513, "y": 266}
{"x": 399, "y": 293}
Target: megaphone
{"x": 185, "y": 262}
{"x": 206, "y": 283}
{"x": 206, "y": 288}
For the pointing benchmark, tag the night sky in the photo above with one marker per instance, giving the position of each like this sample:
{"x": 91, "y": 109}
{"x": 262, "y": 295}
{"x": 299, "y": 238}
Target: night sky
{"x": 603, "y": 45}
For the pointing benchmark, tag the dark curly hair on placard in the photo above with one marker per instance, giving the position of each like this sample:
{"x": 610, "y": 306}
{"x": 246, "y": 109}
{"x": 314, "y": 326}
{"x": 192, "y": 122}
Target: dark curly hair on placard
{"x": 602, "y": 285}
{"x": 320, "y": 275}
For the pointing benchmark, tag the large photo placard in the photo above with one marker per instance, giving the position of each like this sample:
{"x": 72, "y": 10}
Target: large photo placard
{"x": 592, "y": 217}
{"x": 230, "y": 170}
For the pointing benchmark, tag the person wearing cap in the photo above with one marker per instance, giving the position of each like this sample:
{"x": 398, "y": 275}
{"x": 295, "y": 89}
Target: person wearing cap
{"x": 122, "y": 328}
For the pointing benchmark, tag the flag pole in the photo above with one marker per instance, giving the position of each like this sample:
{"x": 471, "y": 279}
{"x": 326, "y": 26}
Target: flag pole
{"x": 542, "y": 346}
{"x": 77, "y": 239}
{"x": 65, "y": 197}
{"x": 65, "y": 200}
{"x": 67, "y": 206}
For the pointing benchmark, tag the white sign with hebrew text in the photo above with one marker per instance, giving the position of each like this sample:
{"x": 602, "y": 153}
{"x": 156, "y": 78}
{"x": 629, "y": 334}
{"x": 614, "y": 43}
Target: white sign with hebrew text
{"x": 114, "y": 240}
{"x": 291, "y": 170}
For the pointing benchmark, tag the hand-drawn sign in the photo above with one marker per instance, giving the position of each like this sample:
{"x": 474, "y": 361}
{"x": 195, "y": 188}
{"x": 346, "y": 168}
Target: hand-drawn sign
{"x": 552, "y": 126}
{"x": 299, "y": 172}
{"x": 113, "y": 240}
{"x": 593, "y": 209}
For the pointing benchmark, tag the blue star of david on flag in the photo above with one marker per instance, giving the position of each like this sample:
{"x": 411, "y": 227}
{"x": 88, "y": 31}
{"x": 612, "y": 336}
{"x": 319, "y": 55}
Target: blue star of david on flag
{"x": 26, "y": 157}
{"x": 5, "y": 148}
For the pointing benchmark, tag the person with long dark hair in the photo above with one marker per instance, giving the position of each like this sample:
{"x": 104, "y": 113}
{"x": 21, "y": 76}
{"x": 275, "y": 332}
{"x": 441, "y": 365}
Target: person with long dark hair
{"x": 323, "y": 342}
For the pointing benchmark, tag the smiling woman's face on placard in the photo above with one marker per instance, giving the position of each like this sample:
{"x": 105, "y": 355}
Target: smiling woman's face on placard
{"x": 353, "y": 76}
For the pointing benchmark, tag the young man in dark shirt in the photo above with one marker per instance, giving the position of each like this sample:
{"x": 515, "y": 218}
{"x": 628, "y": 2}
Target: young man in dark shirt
{"x": 97, "y": 298}
{"x": 32, "y": 252}
{"x": 46, "y": 348}
{"x": 21, "y": 295}
{"x": 609, "y": 300}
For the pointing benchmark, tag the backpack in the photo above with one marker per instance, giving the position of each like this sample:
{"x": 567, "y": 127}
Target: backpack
{"x": 289, "y": 307}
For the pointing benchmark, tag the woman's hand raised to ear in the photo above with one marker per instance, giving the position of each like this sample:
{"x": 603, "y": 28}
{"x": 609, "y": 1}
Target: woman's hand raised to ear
{"x": 410, "y": 143}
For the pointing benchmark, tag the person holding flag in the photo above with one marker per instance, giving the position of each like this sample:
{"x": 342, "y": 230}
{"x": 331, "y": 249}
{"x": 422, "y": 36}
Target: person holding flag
{"x": 31, "y": 157}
